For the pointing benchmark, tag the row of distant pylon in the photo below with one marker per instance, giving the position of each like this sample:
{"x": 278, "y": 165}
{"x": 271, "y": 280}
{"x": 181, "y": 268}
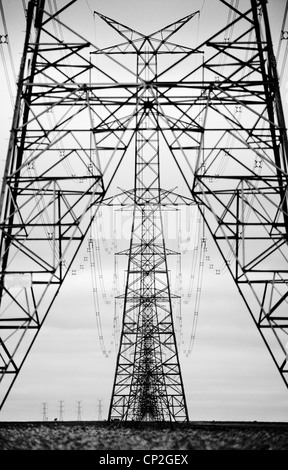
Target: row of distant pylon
{"x": 78, "y": 411}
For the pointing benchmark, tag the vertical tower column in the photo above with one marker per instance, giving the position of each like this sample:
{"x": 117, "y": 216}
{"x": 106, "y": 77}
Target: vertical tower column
{"x": 148, "y": 384}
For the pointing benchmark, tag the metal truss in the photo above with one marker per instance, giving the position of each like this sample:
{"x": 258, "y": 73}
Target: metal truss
{"x": 247, "y": 199}
{"x": 51, "y": 184}
{"x": 215, "y": 110}
{"x": 148, "y": 383}
{"x": 224, "y": 126}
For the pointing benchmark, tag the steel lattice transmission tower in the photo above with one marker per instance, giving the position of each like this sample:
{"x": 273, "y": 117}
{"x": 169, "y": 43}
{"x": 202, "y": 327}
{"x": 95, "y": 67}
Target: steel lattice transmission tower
{"x": 148, "y": 382}
{"x": 212, "y": 114}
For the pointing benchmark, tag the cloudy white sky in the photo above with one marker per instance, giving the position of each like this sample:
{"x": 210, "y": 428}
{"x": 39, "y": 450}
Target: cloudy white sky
{"x": 230, "y": 374}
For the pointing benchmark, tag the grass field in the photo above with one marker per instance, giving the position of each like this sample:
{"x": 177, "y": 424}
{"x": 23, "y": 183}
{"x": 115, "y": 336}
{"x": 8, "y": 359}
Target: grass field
{"x": 143, "y": 436}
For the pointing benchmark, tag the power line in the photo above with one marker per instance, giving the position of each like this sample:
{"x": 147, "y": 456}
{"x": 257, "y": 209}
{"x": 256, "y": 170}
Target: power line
{"x": 24, "y": 6}
{"x": 8, "y": 45}
{"x": 283, "y": 36}
{"x": 89, "y": 6}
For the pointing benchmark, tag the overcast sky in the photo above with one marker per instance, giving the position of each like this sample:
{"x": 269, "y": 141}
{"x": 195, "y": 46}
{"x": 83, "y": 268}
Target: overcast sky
{"x": 230, "y": 374}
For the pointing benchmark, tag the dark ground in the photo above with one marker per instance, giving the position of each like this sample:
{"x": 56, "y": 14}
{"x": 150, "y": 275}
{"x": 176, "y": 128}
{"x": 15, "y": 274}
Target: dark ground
{"x": 104, "y": 436}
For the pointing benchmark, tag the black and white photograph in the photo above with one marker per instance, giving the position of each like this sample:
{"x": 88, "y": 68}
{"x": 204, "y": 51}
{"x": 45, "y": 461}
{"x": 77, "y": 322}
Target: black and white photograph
{"x": 144, "y": 227}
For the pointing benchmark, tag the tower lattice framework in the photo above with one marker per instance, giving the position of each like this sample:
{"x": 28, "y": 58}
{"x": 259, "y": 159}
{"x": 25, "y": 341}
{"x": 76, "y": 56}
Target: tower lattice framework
{"x": 148, "y": 382}
{"x": 214, "y": 112}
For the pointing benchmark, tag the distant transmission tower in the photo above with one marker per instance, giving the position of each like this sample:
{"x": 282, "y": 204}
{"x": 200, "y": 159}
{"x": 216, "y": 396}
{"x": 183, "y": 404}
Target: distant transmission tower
{"x": 207, "y": 119}
{"x": 100, "y": 408}
{"x": 79, "y": 411}
{"x": 148, "y": 384}
{"x": 61, "y": 410}
{"x": 44, "y": 411}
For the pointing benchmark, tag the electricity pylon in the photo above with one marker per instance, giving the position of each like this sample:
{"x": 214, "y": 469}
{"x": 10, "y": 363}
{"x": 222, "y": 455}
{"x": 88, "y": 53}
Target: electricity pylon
{"x": 52, "y": 179}
{"x": 148, "y": 382}
{"x": 100, "y": 407}
{"x": 61, "y": 410}
{"x": 44, "y": 411}
{"x": 212, "y": 114}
